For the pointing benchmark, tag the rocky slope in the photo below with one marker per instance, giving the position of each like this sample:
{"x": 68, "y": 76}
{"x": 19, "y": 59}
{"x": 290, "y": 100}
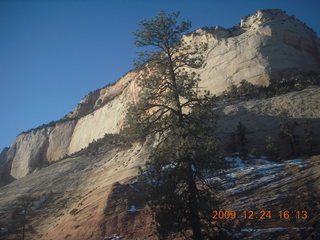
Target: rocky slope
{"x": 264, "y": 45}
{"x": 262, "y": 118}
{"x": 91, "y": 196}
{"x": 98, "y": 194}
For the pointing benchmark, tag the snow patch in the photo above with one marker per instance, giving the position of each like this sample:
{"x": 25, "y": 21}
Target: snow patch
{"x": 259, "y": 232}
{"x": 168, "y": 166}
{"x": 193, "y": 167}
{"x": 278, "y": 197}
{"x": 263, "y": 232}
{"x": 235, "y": 161}
{"x": 37, "y": 204}
{"x": 297, "y": 162}
{"x": 113, "y": 237}
{"x": 4, "y": 230}
{"x": 133, "y": 208}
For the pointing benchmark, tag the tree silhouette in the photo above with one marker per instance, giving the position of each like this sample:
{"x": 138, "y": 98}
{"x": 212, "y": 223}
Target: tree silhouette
{"x": 173, "y": 110}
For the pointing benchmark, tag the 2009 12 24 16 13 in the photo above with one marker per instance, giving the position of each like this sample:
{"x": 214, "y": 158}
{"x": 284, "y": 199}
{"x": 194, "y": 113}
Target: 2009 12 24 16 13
{"x": 260, "y": 214}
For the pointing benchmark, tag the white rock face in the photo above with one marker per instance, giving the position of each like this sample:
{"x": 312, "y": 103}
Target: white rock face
{"x": 59, "y": 140}
{"x": 30, "y": 151}
{"x": 265, "y": 45}
{"x": 107, "y": 119}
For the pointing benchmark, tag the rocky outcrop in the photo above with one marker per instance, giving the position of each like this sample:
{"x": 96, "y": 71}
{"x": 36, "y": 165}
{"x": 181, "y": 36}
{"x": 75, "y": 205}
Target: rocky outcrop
{"x": 261, "y": 48}
{"x": 91, "y": 197}
{"x": 77, "y": 191}
{"x": 262, "y": 118}
{"x": 264, "y": 46}
{"x": 110, "y": 117}
{"x": 33, "y": 149}
{"x": 4, "y": 167}
{"x": 59, "y": 140}
{"x": 29, "y": 152}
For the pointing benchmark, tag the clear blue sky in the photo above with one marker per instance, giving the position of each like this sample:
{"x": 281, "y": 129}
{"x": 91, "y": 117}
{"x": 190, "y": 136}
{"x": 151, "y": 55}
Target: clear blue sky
{"x": 52, "y": 53}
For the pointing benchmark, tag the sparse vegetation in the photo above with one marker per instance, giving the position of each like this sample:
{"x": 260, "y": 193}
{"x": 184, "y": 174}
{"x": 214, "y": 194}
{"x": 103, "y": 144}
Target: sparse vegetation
{"x": 288, "y": 82}
{"x": 254, "y": 152}
{"x": 232, "y": 146}
{"x": 22, "y": 213}
{"x": 271, "y": 148}
{"x": 103, "y": 145}
{"x": 74, "y": 211}
{"x": 308, "y": 137}
{"x": 242, "y": 140}
{"x": 287, "y": 127}
{"x": 245, "y": 90}
{"x": 50, "y": 124}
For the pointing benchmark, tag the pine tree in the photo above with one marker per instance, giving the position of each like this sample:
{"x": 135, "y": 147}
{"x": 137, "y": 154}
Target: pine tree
{"x": 271, "y": 149}
{"x": 21, "y": 217}
{"x": 172, "y": 108}
{"x": 232, "y": 145}
{"x": 287, "y": 132}
{"x": 308, "y": 137}
{"x": 242, "y": 138}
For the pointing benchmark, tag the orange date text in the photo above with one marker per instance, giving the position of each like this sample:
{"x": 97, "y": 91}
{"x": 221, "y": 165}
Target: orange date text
{"x": 259, "y": 214}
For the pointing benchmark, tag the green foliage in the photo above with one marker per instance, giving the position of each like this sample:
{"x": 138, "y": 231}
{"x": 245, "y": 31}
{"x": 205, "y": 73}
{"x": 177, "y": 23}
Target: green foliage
{"x": 232, "y": 145}
{"x": 271, "y": 148}
{"x": 254, "y": 151}
{"x": 21, "y": 217}
{"x": 242, "y": 140}
{"x": 296, "y": 81}
{"x": 287, "y": 127}
{"x": 176, "y": 172}
{"x": 231, "y": 92}
{"x": 245, "y": 90}
{"x": 169, "y": 86}
{"x": 172, "y": 109}
{"x": 309, "y": 140}
{"x": 103, "y": 145}
{"x": 288, "y": 82}
{"x": 50, "y": 124}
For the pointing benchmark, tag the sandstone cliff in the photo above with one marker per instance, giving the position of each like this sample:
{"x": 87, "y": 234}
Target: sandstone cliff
{"x": 261, "y": 48}
{"x": 89, "y": 197}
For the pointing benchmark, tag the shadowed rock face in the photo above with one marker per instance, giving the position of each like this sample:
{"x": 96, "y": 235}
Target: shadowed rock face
{"x": 30, "y": 149}
{"x": 261, "y": 118}
{"x": 98, "y": 197}
{"x": 290, "y": 185}
{"x": 263, "y": 46}
{"x": 76, "y": 190}
{"x": 91, "y": 197}
{"x": 38, "y": 147}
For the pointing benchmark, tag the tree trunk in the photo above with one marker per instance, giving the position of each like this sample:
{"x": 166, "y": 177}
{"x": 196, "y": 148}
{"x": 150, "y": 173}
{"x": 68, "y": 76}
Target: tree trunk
{"x": 24, "y": 225}
{"x": 175, "y": 88}
{"x": 193, "y": 207}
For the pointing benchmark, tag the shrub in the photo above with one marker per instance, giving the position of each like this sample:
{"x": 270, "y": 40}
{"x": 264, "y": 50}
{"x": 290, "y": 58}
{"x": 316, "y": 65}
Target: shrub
{"x": 271, "y": 149}
{"x": 309, "y": 140}
{"x": 242, "y": 140}
{"x": 105, "y": 144}
{"x": 288, "y": 82}
{"x": 287, "y": 129}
